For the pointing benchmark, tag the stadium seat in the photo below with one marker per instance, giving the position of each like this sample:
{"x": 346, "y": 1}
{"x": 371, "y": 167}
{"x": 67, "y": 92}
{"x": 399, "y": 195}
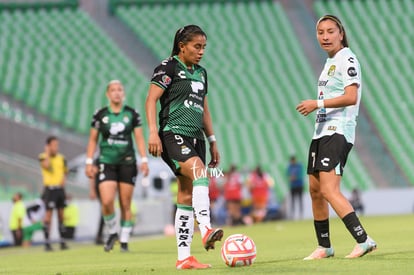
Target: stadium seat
{"x": 58, "y": 61}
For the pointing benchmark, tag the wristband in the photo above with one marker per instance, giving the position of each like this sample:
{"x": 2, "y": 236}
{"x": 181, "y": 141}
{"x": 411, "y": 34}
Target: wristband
{"x": 89, "y": 161}
{"x": 211, "y": 138}
{"x": 144, "y": 159}
{"x": 321, "y": 103}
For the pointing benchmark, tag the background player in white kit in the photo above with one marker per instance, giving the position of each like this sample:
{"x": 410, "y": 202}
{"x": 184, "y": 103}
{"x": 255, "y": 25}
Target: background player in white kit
{"x": 337, "y": 104}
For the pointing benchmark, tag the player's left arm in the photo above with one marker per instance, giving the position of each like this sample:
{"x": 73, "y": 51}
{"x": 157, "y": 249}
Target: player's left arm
{"x": 209, "y": 132}
{"x": 140, "y": 142}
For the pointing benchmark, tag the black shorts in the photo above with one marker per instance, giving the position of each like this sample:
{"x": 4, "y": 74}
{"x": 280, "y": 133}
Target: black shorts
{"x": 54, "y": 197}
{"x": 178, "y": 148}
{"x": 327, "y": 153}
{"x": 117, "y": 172}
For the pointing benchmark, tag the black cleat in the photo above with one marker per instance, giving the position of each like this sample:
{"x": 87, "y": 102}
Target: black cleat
{"x": 111, "y": 242}
{"x": 48, "y": 247}
{"x": 124, "y": 247}
{"x": 64, "y": 246}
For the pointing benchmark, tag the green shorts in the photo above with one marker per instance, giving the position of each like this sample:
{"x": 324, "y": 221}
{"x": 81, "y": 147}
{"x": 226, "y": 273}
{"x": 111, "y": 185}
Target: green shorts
{"x": 29, "y": 230}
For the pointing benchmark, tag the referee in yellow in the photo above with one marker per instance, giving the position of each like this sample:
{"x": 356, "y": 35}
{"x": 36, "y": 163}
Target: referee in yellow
{"x": 54, "y": 170}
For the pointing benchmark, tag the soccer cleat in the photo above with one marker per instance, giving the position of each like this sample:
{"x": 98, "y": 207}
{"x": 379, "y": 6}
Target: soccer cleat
{"x": 191, "y": 263}
{"x": 212, "y": 235}
{"x": 110, "y": 242}
{"x": 124, "y": 247}
{"x": 361, "y": 249}
{"x": 63, "y": 246}
{"x": 320, "y": 253}
{"x": 48, "y": 247}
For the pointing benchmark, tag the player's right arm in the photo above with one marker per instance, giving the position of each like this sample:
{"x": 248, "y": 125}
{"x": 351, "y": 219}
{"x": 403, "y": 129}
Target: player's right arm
{"x": 154, "y": 142}
{"x": 90, "y": 151}
{"x": 45, "y": 158}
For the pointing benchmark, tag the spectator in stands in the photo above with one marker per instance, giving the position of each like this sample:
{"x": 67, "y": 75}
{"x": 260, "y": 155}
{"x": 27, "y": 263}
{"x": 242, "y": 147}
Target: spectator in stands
{"x": 356, "y": 201}
{"x": 295, "y": 176}
{"x": 17, "y": 215}
{"x": 259, "y": 183}
{"x": 113, "y": 126}
{"x": 71, "y": 217}
{"x": 337, "y": 104}
{"x": 54, "y": 170}
{"x": 214, "y": 194}
{"x": 233, "y": 196}
{"x": 33, "y": 221}
{"x": 180, "y": 84}
{"x": 94, "y": 194}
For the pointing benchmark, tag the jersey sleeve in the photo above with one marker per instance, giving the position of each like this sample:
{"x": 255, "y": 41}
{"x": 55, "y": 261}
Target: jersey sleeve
{"x": 351, "y": 71}
{"x": 136, "y": 119}
{"x": 205, "y": 81}
{"x": 95, "y": 120}
{"x": 163, "y": 74}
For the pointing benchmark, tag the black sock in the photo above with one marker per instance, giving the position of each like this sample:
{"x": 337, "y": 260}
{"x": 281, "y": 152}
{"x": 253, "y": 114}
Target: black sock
{"x": 354, "y": 227}
{"x": 322, "y": 233}
{"x": 46, "y": 232}
{"x": 62, "y": 232}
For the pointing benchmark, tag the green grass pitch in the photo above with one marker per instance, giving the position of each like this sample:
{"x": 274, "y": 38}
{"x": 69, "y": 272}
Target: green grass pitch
{"x": 281, "y": 247}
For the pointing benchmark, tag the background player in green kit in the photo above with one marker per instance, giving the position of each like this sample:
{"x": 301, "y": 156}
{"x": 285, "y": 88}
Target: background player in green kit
{"x": 180, "y": 84}
{"x": 115, "y": 124}
{"x": 339, "y": 95}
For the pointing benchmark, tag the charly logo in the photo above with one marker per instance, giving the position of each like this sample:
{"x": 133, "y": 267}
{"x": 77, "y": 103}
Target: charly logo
{"x": 207, "y": 172}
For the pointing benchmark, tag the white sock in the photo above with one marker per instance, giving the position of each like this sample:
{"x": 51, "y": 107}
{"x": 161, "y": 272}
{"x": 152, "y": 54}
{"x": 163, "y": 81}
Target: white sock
{"x": 201, "y": 204}
{"x": 126, "y": 228}
{"x": 184, "y": 230}
{"x": 110, "y": 223}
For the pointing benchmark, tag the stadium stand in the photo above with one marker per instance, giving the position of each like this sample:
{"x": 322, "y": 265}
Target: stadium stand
{"x": 258, "y": 73}
{"x": 386, "y": 66}
{"x": 58, "y": 61}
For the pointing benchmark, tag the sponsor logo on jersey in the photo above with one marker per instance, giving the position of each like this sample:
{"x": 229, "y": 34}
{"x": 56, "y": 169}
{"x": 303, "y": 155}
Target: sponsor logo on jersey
{"x": 352, "y": 71}
{"x": 116, "y": 128}
{"x": 181, "y": 74}
{"x": 189, "y": 104}
{"x": 322, "y": 83}
{"x": 166, "y": 80}
{"x": 331, "y": 70}
{"x": 105, "y": 119}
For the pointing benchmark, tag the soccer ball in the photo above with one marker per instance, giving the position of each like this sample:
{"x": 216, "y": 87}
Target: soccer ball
{"x": 238, "y": 250}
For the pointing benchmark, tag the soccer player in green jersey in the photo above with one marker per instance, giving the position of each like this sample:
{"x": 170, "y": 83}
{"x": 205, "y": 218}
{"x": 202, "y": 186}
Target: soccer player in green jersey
{"x": 180, "y": 84}
{"x": 337, "y": 104}
{"x": 116, "y": 124}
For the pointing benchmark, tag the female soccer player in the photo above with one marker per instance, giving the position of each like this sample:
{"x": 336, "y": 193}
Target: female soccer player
{"x": 180, "y": 84}
{"x": 337, "y": 104}
{"x": 116, "y": 124}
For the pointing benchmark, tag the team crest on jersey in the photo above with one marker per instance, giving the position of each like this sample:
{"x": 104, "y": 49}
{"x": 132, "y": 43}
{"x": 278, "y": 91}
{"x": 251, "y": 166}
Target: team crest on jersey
{"x": 105, "y": 119}
{"x": 185, "y": 150}
{"x": 166, "y": 80}
{"x": 126, "y": 119}
{"x": 331, "y": 70}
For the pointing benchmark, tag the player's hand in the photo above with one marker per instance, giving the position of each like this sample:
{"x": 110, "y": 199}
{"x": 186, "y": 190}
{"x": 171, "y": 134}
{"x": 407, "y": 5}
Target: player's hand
{"x": 154, "y": 145}
{"x": 144, "y": 169}
{"x": 89, "y": 171}
{"x": 47, "y": 150}
{"x": 92, "y": 194}
{"x": 307, "y": 106}
{"x": 215, "y": 155}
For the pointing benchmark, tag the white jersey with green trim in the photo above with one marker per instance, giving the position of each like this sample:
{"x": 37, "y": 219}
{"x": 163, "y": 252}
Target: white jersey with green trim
{"x": 339, "y": 72}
